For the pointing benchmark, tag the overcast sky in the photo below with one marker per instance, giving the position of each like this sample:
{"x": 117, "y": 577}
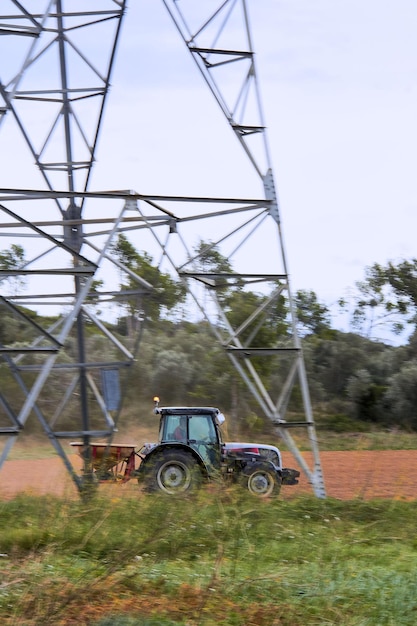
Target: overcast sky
{"x": 338, "y": 81}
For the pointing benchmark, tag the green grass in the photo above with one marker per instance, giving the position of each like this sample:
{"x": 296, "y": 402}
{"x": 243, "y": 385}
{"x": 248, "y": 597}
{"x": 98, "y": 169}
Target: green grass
{"x": 221, "y": 559}
{"x": 352, "y": 440}
{"x": 369, "y": 440}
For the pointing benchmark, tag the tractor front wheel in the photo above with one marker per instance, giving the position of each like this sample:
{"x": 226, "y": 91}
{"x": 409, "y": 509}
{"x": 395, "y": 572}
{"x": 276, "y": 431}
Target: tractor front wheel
{"x": 261, "y": 480}
{"x": 174, "y": 472}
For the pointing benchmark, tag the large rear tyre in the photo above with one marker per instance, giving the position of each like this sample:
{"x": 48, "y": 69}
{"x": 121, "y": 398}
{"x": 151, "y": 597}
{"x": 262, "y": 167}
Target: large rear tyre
{"x": 261, "y": 480}
{"x": 174, "y": 472}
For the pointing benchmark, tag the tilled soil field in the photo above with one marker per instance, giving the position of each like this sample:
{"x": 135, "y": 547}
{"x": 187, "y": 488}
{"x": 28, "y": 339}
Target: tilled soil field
{"x": 347, "y": 475}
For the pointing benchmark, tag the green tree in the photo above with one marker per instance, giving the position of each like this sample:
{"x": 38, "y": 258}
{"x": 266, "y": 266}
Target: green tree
{"x": 11, "y": 327}
{"x": 10, "y": 260}
{"x": 333, "y": 361}
{"x": 260, "y": 321}
{"x": 268, "y": 328}
{"x": 165, "y": 295}
{"x": 13, "y": 258}
{"x": 400, "y": 398}
{"x": 209, "y": 260}
{"x": 365, "y": 396}
{"x": 387, "y": 297}
{"x": 312, "y": 317}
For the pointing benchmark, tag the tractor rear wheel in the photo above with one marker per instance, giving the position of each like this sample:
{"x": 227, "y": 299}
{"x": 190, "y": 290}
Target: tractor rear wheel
{"x": 261, "y": 480}
{"x": 174, "y": 472}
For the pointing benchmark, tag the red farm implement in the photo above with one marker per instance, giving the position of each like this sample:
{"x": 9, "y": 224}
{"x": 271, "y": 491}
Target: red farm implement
{"x": 110, "y": 462}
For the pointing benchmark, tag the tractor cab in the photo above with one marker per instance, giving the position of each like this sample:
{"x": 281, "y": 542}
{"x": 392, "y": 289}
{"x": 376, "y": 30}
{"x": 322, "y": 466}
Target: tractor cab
{"x": 188, "y": 428}
{"x": 195, "y": 427}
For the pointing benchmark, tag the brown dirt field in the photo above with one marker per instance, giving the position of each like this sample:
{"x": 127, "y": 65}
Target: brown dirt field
{"x": 347, "y": 475}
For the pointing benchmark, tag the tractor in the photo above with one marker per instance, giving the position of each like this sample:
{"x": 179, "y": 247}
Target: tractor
{"x": 191, "y": 451}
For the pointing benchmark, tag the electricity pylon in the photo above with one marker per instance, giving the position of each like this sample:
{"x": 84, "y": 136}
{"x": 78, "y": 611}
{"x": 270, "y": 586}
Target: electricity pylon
{"x": 247, "y": 231}
{"x": 54, "y": 86}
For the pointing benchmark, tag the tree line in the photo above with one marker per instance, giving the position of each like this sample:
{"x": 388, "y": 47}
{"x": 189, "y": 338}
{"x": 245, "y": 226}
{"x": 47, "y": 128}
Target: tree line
{"x": 351, "y": 374}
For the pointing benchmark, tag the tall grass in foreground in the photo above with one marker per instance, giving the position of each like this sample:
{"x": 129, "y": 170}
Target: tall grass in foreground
{"x": 220, "y": 558}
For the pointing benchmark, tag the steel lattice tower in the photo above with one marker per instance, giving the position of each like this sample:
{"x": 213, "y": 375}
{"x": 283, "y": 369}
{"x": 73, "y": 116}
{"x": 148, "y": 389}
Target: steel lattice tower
{"x": 54, "y": 93}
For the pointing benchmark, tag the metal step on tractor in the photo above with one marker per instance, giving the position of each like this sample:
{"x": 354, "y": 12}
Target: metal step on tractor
{"x": 191, "y": 451}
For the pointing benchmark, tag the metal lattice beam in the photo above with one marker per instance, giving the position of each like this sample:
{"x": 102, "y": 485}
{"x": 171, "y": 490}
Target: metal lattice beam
{"x": 62, "y": 82}
{"x": 72, "y": 240}
{"x": 218, "y": 36}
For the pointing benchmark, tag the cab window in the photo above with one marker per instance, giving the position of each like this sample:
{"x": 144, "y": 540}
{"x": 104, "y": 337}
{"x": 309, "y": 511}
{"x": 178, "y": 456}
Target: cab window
{"x": 174, "y": 428}
{"x": 201, "y": 428}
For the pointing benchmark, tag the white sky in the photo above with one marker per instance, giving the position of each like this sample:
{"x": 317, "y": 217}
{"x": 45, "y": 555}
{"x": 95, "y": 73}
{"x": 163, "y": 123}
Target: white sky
{"x": 339, "y": 89}
{"x": 338, "y": 81}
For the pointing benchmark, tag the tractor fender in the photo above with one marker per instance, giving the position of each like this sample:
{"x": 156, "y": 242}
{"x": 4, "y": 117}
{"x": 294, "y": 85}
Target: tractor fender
{"x": 253, "y": 461}
{"x": 161, "y": 447}
{"x": 246, "y": 460}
